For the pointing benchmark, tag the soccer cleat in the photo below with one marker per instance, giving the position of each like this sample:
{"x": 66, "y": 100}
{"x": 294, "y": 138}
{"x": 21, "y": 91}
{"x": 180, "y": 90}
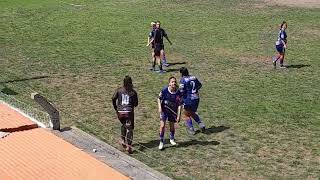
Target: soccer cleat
{"x": 123, "y": 144}
{"x": 191, "y": 131}
{"x": 161, "y": 146}
{"x": 274, "y": 64}
{"x": 282, "y": 66}
{"x": 202, "y": 127}
{"x": 129, "y": 149}
{"x": 172, "y": 142}
{"x": 166, "y": 64}
{"x": 161, "y": 72}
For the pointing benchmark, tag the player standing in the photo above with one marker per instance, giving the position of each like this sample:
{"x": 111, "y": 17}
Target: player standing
{"x": 189, "y": 87}
{"x": 281, "y": 45}
{"x": 169, "y": 105}
{"x": 158, "y": 35}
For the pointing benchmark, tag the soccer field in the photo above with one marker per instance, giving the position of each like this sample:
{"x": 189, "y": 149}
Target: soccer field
{"x": 264, "y": 123}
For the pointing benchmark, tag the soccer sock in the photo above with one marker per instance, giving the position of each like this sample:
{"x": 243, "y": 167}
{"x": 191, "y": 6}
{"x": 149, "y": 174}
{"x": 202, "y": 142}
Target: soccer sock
{"x": 281, "y": 61}
{"x": 172, "y": 134}
{"x": 189, "y": 123}
{"x": 153, "y": 63}
{"x": 161, "y": 135}
{"x": 160, "y": 67}
{"x": 164, "y": 60}
{"x": 197, "y": 118}
{"x": 123, "y": 133}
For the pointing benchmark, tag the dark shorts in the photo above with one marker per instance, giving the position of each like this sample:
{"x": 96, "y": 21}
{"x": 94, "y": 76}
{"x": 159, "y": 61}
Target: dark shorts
{"x": 126, "y": 119}
{"x": 168, "y": 116}
{"x": 158, "y": 48}
{"x": 280, "y": 48}
{"x": 191, "y": 105}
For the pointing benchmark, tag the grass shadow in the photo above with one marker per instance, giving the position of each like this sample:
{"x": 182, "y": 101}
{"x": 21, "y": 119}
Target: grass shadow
{"x": 24, "y": 79}
{"x": 147, "y": 145}
{"x": 173, "y": 70}
{"x": 215, "y": 129}
{"x": 298, "y": 66}
{"x": 196, "y": 142}
{"x": 177, "y": 63}
{"x": 8, "y": 91}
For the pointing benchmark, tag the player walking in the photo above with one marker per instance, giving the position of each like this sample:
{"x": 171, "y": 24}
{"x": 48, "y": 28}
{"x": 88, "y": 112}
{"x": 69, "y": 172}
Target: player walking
{"x": 124, "y": 100}
{"x": 189, "y": 87}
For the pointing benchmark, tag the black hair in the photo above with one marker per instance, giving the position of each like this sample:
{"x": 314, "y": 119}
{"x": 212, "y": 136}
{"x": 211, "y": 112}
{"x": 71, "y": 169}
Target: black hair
{"x": 184, "y": 71}
{"x": 283, "y": 23}
{"x": 127, "y": 82}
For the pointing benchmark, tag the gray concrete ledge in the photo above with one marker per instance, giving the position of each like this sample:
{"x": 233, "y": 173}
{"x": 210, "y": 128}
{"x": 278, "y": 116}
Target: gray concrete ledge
{"x": 110, "y": 155}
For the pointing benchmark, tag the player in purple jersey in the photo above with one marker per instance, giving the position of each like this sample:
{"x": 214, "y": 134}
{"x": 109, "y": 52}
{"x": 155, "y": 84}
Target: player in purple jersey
{"x": 189, "y": 87}
{"x": 169, "y": 105}
{"x": 281, "y": 45}
{"x": 124, "y": 100}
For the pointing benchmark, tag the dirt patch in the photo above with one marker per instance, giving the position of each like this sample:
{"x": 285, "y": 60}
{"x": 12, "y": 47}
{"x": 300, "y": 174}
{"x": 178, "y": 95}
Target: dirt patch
{"x": 295, "y": 3}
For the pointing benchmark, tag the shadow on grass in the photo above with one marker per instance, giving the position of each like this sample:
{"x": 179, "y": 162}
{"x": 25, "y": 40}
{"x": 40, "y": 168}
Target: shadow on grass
{"x": 298, "y": 66}
{"x": 24, "y": 79}
{"x": 8, "y": 91}
{"x": 155, "y": 143}
{"x": 177, "y": 63}
{"x": 173, "y": 70}
{"x": 214, "y": 129}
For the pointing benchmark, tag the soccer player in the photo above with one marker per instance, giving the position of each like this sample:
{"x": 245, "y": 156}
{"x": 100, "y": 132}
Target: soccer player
{"x": 158, "y": 35}
{"x": 124, "y": 100}
{"x": 189, "y": 87}
{"x": 151, "y": 41}
{"x": 281, "y": 45}
{"x": 169, "y": 105}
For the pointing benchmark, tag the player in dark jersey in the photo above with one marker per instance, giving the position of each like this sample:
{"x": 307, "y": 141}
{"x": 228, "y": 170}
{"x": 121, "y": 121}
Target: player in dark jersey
{"x": 189, "y": 87}
{"x": 281, "y": 45}
{"x": 169, "y": 105}
{"x": 124, "y": 100}
{"x": 151, "y": 42}
{"x": 157, "y": 36}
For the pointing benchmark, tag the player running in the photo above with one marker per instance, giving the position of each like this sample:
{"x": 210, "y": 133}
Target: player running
{"x": 169, "y": 108}
{"x": 281, "y": 45}
{"x": 124, "y": 100}
{"x": 189, "y": 87}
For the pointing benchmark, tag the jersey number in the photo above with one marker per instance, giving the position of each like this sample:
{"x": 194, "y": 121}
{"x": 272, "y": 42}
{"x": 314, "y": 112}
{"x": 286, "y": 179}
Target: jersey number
{"x": 125, "y": 99}
{"x": 193, "y": 84}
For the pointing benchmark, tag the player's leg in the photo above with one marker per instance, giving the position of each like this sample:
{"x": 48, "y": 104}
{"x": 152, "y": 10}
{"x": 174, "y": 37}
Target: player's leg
{"x": 282, "y": 57}
{"x": 195, "y": 116}
{"x": 186, "y": 115}
{"x": 160, "y": 60}
{"x": 153, "y": 60}
{"x": 164, "y": 59}
{"x": 172, "y": 132}
{"x": 163, "y": 119}
{"x": 123, "y": 129}
{"x": 129, "y": 128}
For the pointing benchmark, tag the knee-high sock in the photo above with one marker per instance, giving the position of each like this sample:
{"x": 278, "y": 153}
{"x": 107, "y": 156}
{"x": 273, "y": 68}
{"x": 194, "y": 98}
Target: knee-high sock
{"x": 197, "y": 118}
{"x": 123, "y": 133}
{"x": 189, "y": 123}
{"x": 129, "y": 136}
{"x": 172, "y": 134}
{"x": 161, "y": 136}
{"x": 164, "y": 59}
